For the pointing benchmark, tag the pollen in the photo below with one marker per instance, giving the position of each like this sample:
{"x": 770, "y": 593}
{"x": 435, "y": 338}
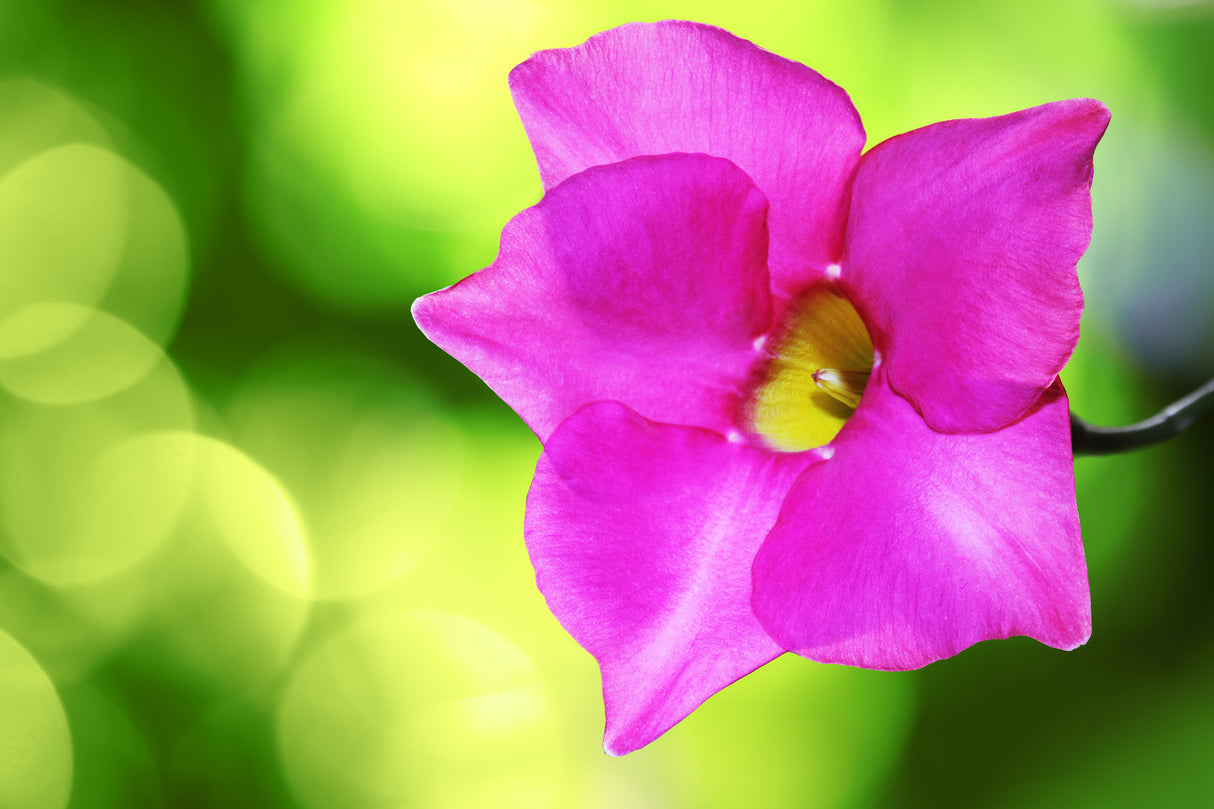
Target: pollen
{"x": 815, "y": 377}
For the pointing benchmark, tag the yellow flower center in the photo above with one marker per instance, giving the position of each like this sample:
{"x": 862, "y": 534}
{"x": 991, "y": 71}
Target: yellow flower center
{"x": 816, "y": 374}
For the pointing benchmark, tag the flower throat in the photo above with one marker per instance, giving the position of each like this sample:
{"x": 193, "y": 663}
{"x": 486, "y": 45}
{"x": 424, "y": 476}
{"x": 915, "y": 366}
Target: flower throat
{"x": 819, "y": 366}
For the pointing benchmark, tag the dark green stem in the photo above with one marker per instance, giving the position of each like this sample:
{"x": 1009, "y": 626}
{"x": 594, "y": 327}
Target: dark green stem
{"x": 1170, "y": 422}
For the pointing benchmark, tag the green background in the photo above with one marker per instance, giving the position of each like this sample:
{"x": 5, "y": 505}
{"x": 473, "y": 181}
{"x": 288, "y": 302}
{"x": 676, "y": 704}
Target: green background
{"x": 260, "y": 543}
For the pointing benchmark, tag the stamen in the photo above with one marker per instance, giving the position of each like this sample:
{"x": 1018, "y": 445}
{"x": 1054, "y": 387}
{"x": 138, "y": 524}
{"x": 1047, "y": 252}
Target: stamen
{"x": 845, "y": 386}
{"x": 801, "y": 401}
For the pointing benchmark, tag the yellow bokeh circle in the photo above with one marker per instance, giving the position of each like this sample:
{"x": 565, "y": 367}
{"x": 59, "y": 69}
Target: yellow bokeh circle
{"x": 418, "y": 709}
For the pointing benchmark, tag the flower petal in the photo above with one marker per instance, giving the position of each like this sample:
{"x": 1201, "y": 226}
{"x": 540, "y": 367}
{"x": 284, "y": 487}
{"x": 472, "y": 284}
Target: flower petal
{"x": 684, "y": 87}
{"x": 643, "y": 282}
{"x": 642, "y": 536}
{"x": 910, "y": 545}
{"x": 961, "y": 252}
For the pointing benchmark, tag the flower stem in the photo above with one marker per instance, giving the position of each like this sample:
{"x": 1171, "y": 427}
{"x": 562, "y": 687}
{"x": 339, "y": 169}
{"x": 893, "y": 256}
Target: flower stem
{"x": 1087, "y": 439}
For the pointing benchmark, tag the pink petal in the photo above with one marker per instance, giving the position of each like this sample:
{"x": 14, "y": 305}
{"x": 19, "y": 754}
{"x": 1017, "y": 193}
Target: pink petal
{"x": 684, "y": 87}
{"x": 642, "y": 536}
{"x": 644, "y": 282}
{"x": 909, "y": 545}
{"x": 961, "y": 250}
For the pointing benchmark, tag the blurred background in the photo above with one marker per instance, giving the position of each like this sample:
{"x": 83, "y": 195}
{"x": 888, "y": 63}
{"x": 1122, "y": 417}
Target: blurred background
{"x": 261, "y": 544}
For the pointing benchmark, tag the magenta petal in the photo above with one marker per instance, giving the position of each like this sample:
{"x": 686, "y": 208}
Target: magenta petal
{"x": 643, "y": 282}
{"x": 961, "y": 249}
{"x": 684, "y": 87}
{"x": 910, "y": 545}
{"x": 642, "y": 536}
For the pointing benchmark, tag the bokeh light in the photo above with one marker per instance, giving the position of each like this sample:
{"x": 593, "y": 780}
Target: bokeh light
{"x": 39, "y": 117}
{"x": 115, "y": 767}
{"x": 63, "y": 216}
{"x": 64, "y": 353}
{"x": 211, "y": 615}
{"x": 80, "y": 498}
{"x": 253, "y": 515}
{"x": 375, "y": 469}
{"x": 35, "y": 745}
{"x": 386, "y": 711}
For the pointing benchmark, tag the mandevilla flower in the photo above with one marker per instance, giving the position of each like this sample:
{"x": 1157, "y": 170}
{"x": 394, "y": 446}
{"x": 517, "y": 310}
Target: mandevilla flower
{"x": 791, "y": 397}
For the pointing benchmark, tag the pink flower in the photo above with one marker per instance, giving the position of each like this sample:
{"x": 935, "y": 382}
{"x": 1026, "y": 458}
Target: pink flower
{"x": 791, "y": 398}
